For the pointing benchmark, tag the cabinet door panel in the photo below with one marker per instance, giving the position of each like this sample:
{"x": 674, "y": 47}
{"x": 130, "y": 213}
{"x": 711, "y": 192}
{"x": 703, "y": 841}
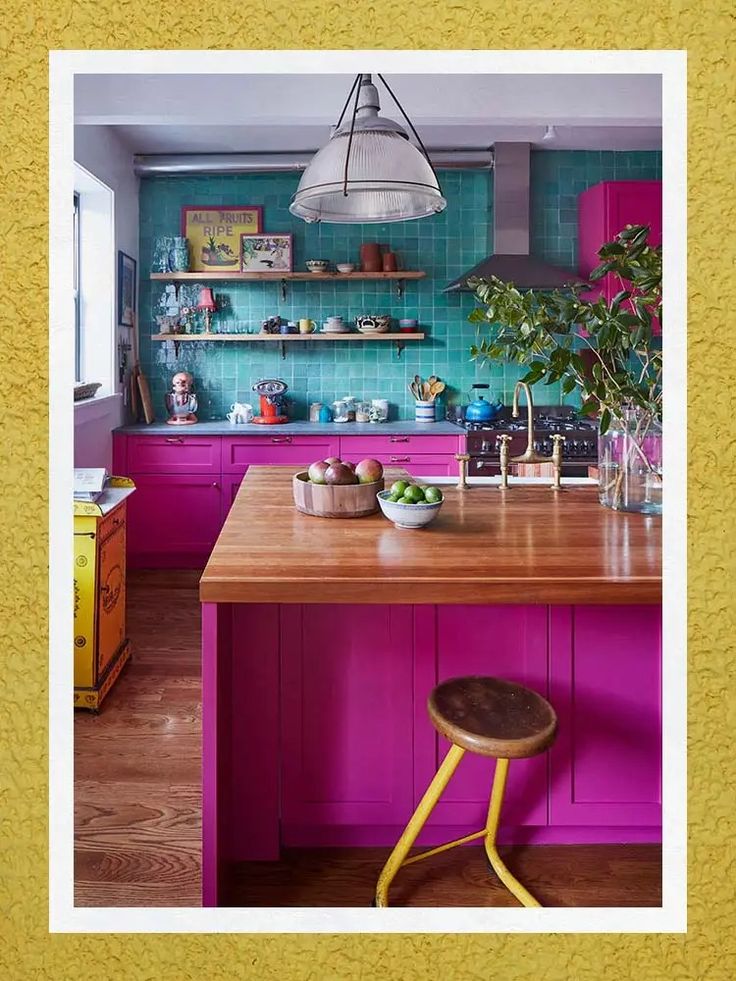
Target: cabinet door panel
{"x": 230, "y": 486}
{"x": 173, "y": 520}
{"x": 346, "y": 715}
{"x": 420, "y": 464}
{"x": 173, "y": 454}
{"x": 507, "y": 642}
{"x": 605, "y": 681}
{"x": 357, "y": 446}
{"x": 240, "y": 452}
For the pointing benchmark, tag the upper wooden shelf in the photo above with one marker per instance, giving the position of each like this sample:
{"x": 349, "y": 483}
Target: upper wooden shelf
{"x": 178, "y": 277}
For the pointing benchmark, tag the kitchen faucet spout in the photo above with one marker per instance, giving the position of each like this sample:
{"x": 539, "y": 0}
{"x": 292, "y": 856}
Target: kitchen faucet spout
{"x": 529, "y": 455}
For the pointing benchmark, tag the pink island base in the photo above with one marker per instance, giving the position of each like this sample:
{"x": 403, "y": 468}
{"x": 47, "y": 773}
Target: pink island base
{"x": 316, "y": 733}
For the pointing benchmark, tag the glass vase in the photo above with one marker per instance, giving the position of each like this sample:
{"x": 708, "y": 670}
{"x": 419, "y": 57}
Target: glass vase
{"x": 630, "y": 463}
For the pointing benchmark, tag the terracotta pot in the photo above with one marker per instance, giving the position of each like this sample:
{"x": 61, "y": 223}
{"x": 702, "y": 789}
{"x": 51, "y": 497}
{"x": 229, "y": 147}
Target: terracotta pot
{"x": 370, "y": 257}
{"x": 389, "y": 262}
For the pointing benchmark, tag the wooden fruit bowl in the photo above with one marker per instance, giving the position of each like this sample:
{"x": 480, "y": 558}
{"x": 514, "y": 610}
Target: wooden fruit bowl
{"x": 335, "y": 500}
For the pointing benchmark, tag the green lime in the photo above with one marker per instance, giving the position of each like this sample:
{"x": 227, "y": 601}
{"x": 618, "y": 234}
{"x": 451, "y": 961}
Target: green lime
{"x": 432, "y": 495}
{"x": 406, "y": 500}
{"x": 399, "y": 487}
{"x": 393, "y": 497}
{"x": 414, "y": 493}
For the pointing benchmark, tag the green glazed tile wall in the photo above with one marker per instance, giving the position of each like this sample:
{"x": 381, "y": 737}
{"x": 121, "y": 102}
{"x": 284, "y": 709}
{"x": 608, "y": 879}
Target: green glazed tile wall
{"x": 444, "y": 246}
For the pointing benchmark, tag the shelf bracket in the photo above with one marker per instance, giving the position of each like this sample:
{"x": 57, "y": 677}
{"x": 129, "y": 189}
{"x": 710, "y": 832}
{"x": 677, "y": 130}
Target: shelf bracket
{"x": 282, "y": 346}
{"x": 399, "y": 348}
{"x": 283, "y": 290}
{"x": 399, "y": 288}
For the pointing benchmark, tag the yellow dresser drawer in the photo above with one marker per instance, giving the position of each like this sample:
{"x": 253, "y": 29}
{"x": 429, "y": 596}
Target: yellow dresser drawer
{"x": 100, "y": 644}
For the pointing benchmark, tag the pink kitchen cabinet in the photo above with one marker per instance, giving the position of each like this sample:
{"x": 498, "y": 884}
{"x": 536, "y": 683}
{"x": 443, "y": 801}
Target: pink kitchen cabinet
{"x": 274, "y": 450}
{"x": 346, "y": 711}
{"x": 605, "y": 684}
{"x": 230, "y": 486}
{"x": 172, "y": 454}
{"x": 502, "y": 641}
{"x": 397, "y": 444}
{"x": 420, "y": 464}
{"x": 174, "y": 520}
{"x": 606, "y": 209}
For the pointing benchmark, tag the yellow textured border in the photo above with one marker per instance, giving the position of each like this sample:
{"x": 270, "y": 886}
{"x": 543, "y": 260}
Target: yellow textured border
{"x": 27, "y": 32}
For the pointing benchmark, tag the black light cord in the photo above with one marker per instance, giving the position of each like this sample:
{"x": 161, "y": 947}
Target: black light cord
{"x": 350, "y": 138}
{"x": 357, "y": 80}
{"x": 417, "y": 137}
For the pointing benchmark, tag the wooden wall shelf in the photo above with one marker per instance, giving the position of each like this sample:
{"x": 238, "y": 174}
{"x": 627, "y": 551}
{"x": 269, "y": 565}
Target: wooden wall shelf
{"x": 283, "y": 278}
{"x": 304, "y": 277}
{"x": 399, "y": 339}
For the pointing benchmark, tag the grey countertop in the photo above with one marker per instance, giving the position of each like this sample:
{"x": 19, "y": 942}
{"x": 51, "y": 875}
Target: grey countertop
{"x": 302, "y": 428}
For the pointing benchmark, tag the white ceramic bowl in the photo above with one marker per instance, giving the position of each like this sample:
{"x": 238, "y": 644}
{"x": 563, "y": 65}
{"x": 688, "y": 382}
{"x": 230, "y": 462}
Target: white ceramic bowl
{"x": 345, "y": 267}
{"x": 317, "y": 265}
{"x": 408, "y": 516}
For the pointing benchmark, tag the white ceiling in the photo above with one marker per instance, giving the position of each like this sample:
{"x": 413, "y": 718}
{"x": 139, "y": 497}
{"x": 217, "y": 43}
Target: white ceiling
{"x": 230, "y": 113}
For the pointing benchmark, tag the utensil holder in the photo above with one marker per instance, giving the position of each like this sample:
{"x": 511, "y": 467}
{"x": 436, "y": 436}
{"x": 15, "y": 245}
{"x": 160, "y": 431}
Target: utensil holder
{"x": 424, "y": 411}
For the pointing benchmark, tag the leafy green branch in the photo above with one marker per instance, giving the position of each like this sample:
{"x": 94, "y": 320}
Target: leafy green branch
{"x": 551, "y": 331}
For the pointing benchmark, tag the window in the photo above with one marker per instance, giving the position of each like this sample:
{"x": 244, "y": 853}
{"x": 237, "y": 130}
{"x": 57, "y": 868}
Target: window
{"x": 94, "y": 281}
{"x": 77, "y": 299}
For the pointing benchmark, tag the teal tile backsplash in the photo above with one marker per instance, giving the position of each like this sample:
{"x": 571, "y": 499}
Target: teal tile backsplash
{"x": 444, "y": 246}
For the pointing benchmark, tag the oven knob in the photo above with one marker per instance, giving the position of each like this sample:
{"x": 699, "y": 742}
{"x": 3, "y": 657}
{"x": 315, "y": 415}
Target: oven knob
{"x": 485, "y": 446}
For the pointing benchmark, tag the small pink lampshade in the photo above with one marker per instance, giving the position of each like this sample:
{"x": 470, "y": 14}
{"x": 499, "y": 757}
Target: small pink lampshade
{"x": 206, "y": 299}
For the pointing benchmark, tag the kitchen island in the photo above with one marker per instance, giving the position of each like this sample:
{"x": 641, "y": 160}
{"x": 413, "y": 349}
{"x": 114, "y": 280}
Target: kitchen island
{"x": 322, "y": 639}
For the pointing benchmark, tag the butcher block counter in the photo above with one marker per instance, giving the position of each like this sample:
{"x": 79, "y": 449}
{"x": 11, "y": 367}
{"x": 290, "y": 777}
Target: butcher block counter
{"x": 525, "y": 544}
{"x": 322, "y": 639}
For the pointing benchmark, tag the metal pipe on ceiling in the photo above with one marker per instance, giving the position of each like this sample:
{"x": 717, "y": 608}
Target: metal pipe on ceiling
{"x": 181, "y": 164}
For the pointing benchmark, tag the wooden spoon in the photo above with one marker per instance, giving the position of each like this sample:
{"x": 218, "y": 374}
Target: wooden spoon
{"x": 437, "y": 389}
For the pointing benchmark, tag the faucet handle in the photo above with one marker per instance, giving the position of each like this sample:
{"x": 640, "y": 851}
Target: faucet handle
{"x": 557, "y": 440}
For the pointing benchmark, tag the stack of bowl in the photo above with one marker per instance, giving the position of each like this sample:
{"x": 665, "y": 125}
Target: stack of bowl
{"x": 373, "y": 324}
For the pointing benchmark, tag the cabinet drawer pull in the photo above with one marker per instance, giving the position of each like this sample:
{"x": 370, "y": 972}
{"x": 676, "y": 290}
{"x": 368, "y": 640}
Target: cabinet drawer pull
{"x": 215, "y": 484}
{"x": 399, "y": 459}
{"x": 281, "y": 439}
{"x": 174, "y": 439}
{"x": 398, "y": 439}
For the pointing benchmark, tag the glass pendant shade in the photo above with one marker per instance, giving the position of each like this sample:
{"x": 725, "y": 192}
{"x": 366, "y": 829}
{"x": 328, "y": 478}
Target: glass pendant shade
{"x": 388, "y": 178}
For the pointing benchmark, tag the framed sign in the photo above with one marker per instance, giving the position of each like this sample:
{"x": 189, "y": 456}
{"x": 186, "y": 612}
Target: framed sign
{"x": 268, "y": 252}
{"x": 126, "y": 290}
{"x": 214, "y": 234}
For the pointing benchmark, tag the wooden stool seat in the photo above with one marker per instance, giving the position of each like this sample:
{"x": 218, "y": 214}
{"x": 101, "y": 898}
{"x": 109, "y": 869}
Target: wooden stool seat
{"x": 492, "y": 717}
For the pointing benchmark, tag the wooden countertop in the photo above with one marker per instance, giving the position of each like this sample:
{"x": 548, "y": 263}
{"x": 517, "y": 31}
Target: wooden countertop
{"x": 524, "y": 545}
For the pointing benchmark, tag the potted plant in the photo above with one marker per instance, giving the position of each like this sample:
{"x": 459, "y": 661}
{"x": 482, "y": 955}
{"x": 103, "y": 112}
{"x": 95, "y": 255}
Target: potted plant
{"x": 605, "y": 350}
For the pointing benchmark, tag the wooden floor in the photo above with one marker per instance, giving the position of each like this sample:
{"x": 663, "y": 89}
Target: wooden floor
{"x": 138, "y": 804}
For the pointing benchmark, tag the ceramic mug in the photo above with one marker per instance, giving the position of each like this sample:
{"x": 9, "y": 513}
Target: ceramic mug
{"x": 307, "y": 326}
{"x": 242, "y": 411}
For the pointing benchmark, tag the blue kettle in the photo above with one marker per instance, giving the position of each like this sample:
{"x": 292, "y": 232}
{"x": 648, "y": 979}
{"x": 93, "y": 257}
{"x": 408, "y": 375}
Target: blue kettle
{"x": 480, "y": 409}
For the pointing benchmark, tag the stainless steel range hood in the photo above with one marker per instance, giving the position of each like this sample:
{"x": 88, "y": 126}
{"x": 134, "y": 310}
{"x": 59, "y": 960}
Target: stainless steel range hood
{"x": 511, "y": 260}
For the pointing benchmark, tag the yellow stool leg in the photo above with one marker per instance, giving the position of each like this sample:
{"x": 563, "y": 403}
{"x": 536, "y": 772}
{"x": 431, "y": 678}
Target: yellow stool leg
{"x": 416, "y": 823}
{"x": 494, "y": 813}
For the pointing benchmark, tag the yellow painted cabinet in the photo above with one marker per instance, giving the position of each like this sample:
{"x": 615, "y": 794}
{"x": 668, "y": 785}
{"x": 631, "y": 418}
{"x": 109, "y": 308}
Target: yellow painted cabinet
{"x": 101, "y": 646}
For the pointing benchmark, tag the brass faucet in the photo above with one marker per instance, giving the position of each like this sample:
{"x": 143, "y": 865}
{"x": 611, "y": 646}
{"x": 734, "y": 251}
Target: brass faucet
{"x": 530, "y": 455}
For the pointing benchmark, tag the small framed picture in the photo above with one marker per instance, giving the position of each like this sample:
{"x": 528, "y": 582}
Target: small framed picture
{"x": 214, "y": 234}
{"x": 266, "y": 253}
{"x": 126, "y": 289}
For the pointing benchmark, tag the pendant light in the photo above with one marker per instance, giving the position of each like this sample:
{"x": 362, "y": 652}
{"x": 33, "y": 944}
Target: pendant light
{"x": 369, "y": 171}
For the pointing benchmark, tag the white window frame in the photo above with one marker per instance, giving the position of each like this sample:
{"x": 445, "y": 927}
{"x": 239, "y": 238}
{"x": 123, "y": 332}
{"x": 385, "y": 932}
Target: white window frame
{"x": 97, "y": 275}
